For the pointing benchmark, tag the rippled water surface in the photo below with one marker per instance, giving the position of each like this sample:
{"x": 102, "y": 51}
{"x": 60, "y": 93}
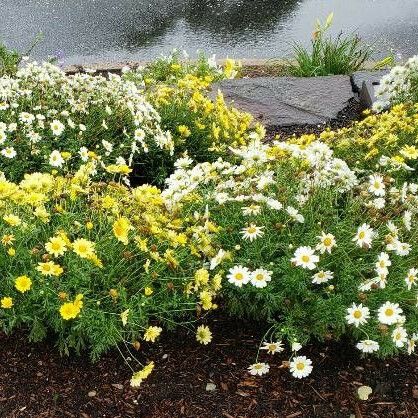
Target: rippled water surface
{"x": 118, "y": 30}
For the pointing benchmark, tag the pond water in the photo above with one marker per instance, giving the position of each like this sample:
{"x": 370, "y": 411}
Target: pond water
{"x": 117, "y": 30}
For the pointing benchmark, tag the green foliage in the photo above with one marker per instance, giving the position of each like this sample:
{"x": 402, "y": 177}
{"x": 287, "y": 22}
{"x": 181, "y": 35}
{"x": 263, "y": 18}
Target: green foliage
{"x": 9, "y": 60}
{"x": 327, "y": 55}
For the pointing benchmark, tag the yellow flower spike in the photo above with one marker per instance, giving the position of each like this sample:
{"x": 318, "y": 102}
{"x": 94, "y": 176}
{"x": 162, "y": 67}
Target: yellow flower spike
{"x": 11, "y": 251}
{"x": 89, "y": 225}
{"x": 148, "y": 291}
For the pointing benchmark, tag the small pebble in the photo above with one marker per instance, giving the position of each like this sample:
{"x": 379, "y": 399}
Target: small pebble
{"x": 210, "y": 387}
{"x": 92, "y": 394}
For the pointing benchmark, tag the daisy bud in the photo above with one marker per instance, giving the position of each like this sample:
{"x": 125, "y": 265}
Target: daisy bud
{"x": 383, "y": 329}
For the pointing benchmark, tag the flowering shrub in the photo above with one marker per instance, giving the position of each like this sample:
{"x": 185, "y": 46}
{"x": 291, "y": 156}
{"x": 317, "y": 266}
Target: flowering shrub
{"x": 399, "y": 86}
{"x": 202, "y": 125}
{"x": 386, "y": 141}
{"x": 49, "y": 120}
{"x": 309, "y": 245}
{"x": 98, "y": 264}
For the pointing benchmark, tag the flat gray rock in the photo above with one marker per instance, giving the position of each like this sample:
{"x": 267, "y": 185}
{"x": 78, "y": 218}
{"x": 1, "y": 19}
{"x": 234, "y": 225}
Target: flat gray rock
{"x": 286, "y": 101}
{"x": 372, "y": 77}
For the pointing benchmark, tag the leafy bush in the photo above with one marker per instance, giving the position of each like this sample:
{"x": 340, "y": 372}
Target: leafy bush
{"x": 305, "y": 247}
{"x": 342, "y": 55}
{"x": 53, "y": 121}
{"x": 202, "y": 125}
{"x": 134, "y": 122}
{"x": 97, "y": 264}
{"x": 385, "y": 141}
{"x": 399, "y": 86}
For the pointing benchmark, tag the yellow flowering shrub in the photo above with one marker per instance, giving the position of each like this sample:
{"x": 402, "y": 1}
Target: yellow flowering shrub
{"x": 388, "y": 140}
{"x": 98, "y": 263}
{"x": 202, "y": 125}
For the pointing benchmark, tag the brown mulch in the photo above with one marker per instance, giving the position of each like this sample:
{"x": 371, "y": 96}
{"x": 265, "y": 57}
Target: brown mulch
{"x": 36, "y": 382}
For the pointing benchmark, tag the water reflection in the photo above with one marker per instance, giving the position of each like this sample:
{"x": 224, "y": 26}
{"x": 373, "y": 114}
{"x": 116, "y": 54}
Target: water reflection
{"x": 97, "y": 30}
{"x": 237, "y": 19}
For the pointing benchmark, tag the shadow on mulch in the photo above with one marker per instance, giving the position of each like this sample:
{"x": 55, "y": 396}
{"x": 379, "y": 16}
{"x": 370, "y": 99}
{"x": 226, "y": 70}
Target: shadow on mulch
{"x": 36, "y": 382}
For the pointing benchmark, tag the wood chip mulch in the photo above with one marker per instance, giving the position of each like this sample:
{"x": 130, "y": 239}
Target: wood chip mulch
{"x": 36, "y": 382}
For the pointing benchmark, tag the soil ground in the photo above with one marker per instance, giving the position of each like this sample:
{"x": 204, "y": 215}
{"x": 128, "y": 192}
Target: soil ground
{"x": 36, "y": 382}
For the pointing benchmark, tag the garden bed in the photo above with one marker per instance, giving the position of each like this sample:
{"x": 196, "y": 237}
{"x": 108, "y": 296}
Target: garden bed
{"x": 36, "y": 381}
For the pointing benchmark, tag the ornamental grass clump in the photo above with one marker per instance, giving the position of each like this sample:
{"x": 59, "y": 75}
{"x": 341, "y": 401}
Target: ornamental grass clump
{"x": 327, "y": 55}
{"x": 313, "y": 248}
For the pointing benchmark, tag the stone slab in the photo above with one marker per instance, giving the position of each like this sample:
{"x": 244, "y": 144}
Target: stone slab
{"x": 287, "y": 101}
{"x": 372, "y": 77}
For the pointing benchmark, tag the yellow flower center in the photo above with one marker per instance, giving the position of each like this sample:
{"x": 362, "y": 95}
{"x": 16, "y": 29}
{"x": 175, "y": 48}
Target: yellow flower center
{"x": 327, "y": 242}
{"x": 362, "y": 234}
{"x": 305, "y": 258}
{"x": 239, "y": 276}
{"x": 300, "y": 366}
{"x": 357, "y": 314}
{"x": 389, "y": 312}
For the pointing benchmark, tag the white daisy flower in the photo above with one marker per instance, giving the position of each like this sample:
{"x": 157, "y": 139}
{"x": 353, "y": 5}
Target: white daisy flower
{"x": 251, "y": 210}
{"x": 239, "y": 276}
{"x": 322, "y": 277}
{"x": 368, "y": 346}
{"x": 295, "y": 215}
{"x": 407, "y": 220}
{"x": 55, "y": 159}
{"x": 258, "y": 369}
{"x": 84, "y": 154}
{"x": 252, "y": 232}
{"x": 411, "y": 278}
{"x": 305, "y": 257}
{"x": 402, "y": 248}
{"x": 27, "y": 118}
{"x": 8, "y": 152}
{"x": 301, "y": 367}
{"x": 389, "y": 313}
{"x": 399, "y": 336}
{"x": 296, "y": 346}
{"x": 260, "y": 277}
{"x": 326, "y": 244}
{"x": 274, "y": 204}
{"x": 57, "y": 127}
{"x": 273, "y": 347}
{"x": 364, "y": 236}
{"x": 376, "y": 185}
{"x": 357, "y": 314}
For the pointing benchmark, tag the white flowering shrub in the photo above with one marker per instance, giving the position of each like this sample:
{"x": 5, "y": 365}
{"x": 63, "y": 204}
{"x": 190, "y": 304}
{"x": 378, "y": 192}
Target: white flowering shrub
{"x": 49, "y": 120}
{"x": 310, "y": 246}
{"x": 399, "y": 86}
